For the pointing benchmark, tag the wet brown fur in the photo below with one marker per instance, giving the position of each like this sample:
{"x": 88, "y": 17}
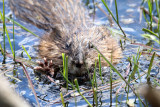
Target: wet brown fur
{"x": 69, "y": 31}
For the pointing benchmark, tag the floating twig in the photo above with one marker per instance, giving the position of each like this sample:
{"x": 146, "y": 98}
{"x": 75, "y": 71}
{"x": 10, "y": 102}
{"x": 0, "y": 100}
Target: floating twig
{"x": 30, "y": 83}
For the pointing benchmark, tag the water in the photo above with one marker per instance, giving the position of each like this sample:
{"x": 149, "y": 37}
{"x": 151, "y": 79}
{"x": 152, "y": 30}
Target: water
{"x": 48, "y": 92}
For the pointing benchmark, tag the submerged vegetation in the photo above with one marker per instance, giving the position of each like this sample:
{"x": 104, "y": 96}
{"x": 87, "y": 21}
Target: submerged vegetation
{"x": 141, "y": 69}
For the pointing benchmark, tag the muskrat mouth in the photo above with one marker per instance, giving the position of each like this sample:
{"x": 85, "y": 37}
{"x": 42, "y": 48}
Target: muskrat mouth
{"x": 78, "y": 65}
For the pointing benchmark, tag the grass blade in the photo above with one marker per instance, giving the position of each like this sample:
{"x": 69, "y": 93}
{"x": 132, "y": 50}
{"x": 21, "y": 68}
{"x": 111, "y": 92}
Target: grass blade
{"x": 135, "y": 68}
{"x": 65, "y": 67}
{"x": 150, "y": 65}
{"x": 149, "y": 31}
{"x": 64, "y": 64}
{"x": 158, "y": 13}
{"x": 94, "y": 81}
{"x": 111, "y": 88}
{"x": 13, "y": 42}
{"x": 116, "y": 11}
{"x": 150, "y": 11}
{"x": 144, "y": 14}
{"x": 109, "y": 10}
{"x": 26, "y": 53}
{"x": 9, "y": 41}
{"x": 100, "y": 70}
{"x": 62, "y": 99}
{"x": 1, "y": 49}
{"x": 3, "y": 19}
{"x": 77, "y": 86}
{"x": 22, "y": 27}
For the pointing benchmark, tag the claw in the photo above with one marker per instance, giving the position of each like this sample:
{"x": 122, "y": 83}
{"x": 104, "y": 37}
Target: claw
{"x": 40, "y": 63}
{"x": 45, "y": 61}
{"x": 51, "y": 64}
{"x": 52, "y": 71}
{"x": 38, "y": 68}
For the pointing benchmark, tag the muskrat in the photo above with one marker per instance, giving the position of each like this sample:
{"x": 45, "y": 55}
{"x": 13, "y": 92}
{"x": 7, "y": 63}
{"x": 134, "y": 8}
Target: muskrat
{"x": 69, "y": 30}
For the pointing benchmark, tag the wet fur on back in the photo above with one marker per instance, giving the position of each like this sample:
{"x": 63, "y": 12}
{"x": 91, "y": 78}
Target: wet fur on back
{"x": 69, "y": 31}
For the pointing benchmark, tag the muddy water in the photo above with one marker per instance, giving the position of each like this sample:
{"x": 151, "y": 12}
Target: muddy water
{"x": 47, "y": 92}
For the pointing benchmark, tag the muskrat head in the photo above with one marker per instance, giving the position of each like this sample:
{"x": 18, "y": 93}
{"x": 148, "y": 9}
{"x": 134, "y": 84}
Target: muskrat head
{"x": 76, "y": 58}
{"x": 82, "y": 54}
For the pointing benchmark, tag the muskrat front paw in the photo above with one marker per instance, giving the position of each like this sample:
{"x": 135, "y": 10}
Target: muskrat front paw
{"x": 45, "y": 67}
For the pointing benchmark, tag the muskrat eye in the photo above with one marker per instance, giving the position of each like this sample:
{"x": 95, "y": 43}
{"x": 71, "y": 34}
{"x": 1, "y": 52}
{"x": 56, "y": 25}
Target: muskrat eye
{"x": 75, "y": 62}
{"x": 90, "y": 46}
{"x": 68, "y": 45}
